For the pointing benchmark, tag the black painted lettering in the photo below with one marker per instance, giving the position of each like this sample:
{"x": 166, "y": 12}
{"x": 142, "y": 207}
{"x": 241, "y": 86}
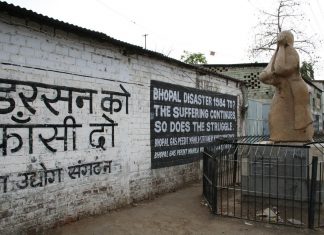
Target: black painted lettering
{"x": 200, "y": 118}
{"x": 111, "y": 100}
{"x": 4, "y": 182}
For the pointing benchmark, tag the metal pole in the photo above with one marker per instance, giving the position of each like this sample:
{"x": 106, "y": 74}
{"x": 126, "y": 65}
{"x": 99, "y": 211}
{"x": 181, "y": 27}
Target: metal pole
{"x": 235, "y": 163}
{"x": 311, "y": 206}
{"x": 145, "y": 35}
{"x": 214, "y": 186}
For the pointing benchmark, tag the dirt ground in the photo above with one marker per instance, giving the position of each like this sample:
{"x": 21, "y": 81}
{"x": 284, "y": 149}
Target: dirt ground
{"x": 180, "y": 212}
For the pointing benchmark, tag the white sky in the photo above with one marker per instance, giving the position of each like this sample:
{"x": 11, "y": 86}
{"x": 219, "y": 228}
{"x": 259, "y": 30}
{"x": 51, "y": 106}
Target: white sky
{"x": 223, "y": 26}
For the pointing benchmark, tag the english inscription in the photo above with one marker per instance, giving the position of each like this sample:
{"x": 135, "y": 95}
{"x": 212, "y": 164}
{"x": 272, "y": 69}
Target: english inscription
{"x": 184, "y": 120}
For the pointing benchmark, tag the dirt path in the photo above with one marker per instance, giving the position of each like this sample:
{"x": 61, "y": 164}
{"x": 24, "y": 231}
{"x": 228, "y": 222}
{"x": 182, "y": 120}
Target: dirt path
{"x": 180, "y": 212}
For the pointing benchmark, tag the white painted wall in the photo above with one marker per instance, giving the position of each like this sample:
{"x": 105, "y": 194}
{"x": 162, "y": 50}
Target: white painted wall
{"x": 47, "y": 58}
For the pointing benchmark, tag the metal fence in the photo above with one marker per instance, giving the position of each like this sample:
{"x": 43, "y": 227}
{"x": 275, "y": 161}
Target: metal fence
{"x": 281, "y": 184}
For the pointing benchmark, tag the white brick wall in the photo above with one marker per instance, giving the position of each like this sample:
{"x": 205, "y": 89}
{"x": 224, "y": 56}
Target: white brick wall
{"x": 39, "y": 54}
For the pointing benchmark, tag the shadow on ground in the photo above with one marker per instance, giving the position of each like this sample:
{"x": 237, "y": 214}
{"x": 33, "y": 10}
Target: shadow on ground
{"x": 180, "y": 212}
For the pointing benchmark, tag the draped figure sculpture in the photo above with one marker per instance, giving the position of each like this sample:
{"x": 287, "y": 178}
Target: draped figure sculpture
{"x": 290, "y": 118}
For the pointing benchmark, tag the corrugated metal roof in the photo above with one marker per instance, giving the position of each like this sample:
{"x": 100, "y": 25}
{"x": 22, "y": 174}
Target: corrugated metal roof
{"x": 130, "y": 48}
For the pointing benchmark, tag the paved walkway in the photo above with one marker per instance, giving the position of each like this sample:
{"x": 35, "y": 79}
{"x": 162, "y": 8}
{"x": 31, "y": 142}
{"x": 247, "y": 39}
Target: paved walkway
{"x": 179, "y": 212}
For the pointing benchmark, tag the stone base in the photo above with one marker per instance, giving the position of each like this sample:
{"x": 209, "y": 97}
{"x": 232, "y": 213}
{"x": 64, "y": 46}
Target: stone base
{"x": 279, "y": 172}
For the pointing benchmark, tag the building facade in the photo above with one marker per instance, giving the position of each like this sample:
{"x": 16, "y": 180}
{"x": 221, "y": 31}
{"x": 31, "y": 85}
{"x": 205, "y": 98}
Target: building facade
{"x": 77, "y": 121}
{"x": 260, "y": 95}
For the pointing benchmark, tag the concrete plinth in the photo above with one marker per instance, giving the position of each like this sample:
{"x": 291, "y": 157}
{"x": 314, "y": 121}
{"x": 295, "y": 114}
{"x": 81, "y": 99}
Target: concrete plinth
{"x": 280, "y": 171}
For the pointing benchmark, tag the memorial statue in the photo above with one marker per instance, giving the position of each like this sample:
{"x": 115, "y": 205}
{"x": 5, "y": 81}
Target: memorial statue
{"x": 290, "y": 118}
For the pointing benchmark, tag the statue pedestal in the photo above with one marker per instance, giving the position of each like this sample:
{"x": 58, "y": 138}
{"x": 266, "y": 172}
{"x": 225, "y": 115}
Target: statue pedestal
{"x": 280, "y": 172}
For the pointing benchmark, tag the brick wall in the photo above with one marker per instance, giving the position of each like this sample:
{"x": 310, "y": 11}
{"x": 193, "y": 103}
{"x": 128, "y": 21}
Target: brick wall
{"x": 49, "y": 129}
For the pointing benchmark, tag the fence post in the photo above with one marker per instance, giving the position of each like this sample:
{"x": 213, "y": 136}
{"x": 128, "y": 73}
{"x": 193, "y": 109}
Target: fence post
{"x": 312, "y": 195}
{"x": 214, "y": 186}
{"x": 235, "y": 163}
{"x": 204, "y": 172}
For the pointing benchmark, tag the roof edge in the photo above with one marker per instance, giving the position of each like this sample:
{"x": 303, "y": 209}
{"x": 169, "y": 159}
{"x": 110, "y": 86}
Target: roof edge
{"x": 20, "y": 12}
{"x": 236, "y": 65}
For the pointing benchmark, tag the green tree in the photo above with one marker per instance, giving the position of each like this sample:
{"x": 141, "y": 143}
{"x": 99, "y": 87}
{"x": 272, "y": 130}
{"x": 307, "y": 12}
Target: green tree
{"x": 307, "y": 71}
{"x": 193, "y": 58}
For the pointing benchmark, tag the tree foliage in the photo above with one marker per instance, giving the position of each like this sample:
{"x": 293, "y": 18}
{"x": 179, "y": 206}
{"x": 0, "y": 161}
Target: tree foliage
{"x": 193, "y": 58}
{"x": 307, "y": 71}
{"x": 287, "y": 15}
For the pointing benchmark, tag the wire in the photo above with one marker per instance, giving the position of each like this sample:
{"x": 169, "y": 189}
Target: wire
{"x": 117, "y": 12}
{"x": 155, "y": 37}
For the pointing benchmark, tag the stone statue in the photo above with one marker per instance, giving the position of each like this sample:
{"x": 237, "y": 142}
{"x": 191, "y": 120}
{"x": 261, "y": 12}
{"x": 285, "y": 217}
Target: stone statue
{"x": 290, "y": 118}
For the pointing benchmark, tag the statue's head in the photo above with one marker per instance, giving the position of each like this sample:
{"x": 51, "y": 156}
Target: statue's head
{"x": 285, "y": 38}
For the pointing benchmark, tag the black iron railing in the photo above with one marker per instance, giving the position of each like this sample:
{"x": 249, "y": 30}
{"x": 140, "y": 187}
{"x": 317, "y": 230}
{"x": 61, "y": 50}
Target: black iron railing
{"x": 279, "y": 184}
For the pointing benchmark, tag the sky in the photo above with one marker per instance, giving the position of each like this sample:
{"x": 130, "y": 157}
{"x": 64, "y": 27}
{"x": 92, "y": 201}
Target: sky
{"x": 226, "y": 27}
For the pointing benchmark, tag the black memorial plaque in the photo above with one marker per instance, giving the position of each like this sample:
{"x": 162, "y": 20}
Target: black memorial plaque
{"x": 185, "y": 120}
